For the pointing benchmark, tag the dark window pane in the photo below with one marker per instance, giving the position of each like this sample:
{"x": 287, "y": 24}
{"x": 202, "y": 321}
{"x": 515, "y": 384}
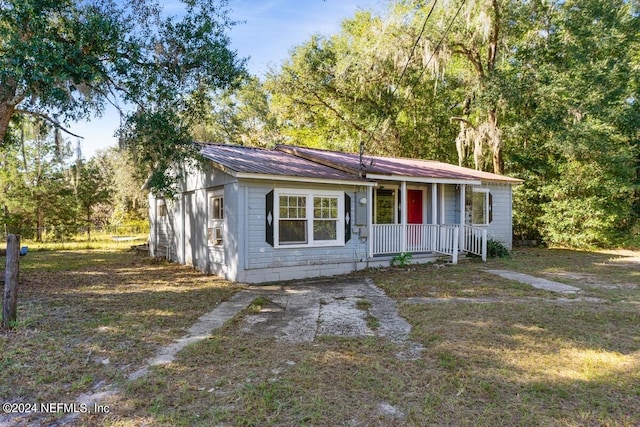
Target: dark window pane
{"x": 292, "y": 232}
{"x": 324, "y": 230}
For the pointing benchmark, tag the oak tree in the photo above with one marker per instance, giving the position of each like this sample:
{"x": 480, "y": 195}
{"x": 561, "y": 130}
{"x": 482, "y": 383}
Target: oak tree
{"x": 65, "y": 60}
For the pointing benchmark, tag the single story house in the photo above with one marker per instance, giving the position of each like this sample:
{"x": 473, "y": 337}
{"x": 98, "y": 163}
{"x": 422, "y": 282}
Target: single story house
{"x": 260, "y": 215}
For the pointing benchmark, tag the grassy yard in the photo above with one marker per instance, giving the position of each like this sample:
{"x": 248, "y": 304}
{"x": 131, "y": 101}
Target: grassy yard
{"x": 496, "y": 352}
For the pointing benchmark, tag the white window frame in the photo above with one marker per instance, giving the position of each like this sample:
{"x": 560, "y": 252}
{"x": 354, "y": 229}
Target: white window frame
{"x": 485, "y": 191}
{"x": 309, "y": 195}
{"x": 396, "y": 193}
{"x": 215, "y": 226}
{"x": 161, "y": 209}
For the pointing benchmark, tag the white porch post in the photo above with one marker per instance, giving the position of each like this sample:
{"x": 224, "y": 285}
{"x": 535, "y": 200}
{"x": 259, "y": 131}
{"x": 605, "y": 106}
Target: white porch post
{"x": 456, "y": 232}
{"x": 370, "y": 221}
{"x": 441, "y": 214}
{"x": 403, "y": 216}
{"x": 434, "y": 215}
{"x": 434, "y": 203}
{"x": 462, "y": 206}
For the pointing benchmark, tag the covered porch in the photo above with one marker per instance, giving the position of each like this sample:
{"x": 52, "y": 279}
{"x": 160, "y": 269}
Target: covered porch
{"x": 444, "y": 218}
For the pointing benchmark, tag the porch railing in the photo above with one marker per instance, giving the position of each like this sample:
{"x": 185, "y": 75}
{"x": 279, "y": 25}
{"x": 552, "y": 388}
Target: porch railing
{"x": 475, "y": 241}
{"x": 416, "y": 238}
{"x": 387, "y": 239}
{"x": 442, "y": 239}
{"x": 448, "y": 241}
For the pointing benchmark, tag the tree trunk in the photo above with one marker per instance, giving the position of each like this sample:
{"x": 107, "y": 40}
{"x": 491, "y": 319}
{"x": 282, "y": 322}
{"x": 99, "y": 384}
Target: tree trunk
{"x": 6, "y": 112}
{"x": 39, "y": 222}
{"x": 9, "y": 98}
{"x": 496, "y": 142}
{"x": 10, "y": 302}
{"x": 498, "y": 162}
{"x": 89, "y": 224}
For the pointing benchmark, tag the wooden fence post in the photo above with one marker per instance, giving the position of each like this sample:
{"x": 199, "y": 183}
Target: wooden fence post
{"x": 10, "y": 302}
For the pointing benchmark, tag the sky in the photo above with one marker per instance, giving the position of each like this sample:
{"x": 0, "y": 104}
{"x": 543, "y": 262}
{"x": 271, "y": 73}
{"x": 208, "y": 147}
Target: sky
{"x": 268, "y": 30}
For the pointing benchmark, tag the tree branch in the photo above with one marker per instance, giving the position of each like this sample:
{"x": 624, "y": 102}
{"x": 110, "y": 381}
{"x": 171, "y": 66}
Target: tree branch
{"x": 463, "y": 120}
{"x": 471, "y": 55}
{"x": 492, "y": 54}
{"x": 48, "y": 119}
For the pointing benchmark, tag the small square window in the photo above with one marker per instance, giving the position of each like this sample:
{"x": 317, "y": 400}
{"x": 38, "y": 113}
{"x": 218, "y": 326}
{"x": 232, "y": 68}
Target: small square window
{"x": 215, "y": 235}
{"x": 217, "y": 208}
{"x": 216, "y": 219}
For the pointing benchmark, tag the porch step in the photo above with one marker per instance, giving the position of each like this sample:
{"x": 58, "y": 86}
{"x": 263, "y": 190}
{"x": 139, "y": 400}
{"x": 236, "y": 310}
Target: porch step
{"x": 421, "y": 258}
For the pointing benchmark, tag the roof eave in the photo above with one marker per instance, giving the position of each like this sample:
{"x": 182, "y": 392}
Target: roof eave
{"x": 223, "y": 168}
{"x": 291, "y": 178}
{"x": 424, "y": 180}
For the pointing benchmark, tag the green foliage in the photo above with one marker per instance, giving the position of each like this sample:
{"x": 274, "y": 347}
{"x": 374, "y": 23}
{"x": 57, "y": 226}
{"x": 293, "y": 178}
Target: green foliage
{"x": 48, "y": 199}
{"x": 36, "y": 190}
{"x": 547, "y": 89}
{"x": 240, "y": 115}
{"x": 496, "y": 249}
{"x": 65, "y": 60}
{"x": 574, "y": 108}
{"x": 130, "y": 201}
{"x": 401, "y": 260}
{"x": 91, "y": 186}
{"x": 338, "y": 91}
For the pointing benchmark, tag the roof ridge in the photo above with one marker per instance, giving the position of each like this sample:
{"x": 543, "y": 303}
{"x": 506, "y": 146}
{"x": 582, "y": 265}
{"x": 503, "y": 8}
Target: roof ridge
{"x": 326, "y": 150}
{"x": 246, "y": 147}
{"x": 293, "y": 150}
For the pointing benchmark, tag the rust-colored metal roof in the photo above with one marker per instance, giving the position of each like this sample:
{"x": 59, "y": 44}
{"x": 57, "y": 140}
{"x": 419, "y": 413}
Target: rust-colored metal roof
{"x": 393, "y": 166}
{"x": 303, "y": 162}
{"x": 249, "y": 160}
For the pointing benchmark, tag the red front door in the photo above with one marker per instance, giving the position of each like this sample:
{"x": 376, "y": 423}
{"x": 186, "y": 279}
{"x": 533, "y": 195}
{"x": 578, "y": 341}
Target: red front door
{"x": 414, "y": 206}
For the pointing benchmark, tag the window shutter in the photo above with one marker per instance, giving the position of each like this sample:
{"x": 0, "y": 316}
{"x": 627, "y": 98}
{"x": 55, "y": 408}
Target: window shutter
{"x": 269, "y": 218}
{"x": 347, "y": 217}
{"x": 490, "y": 208}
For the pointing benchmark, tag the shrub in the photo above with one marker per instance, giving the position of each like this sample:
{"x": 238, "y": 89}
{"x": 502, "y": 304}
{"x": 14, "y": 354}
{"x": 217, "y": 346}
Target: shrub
{"x": 401, "y": 260}
{"x": 496, "y": 249}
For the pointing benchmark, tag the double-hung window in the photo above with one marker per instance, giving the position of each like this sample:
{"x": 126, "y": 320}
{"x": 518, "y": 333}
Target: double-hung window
{"x": 478, "y": 206}
{"x": 216, "y": 217}
{"x": 308, "y": 218}
{"x": 293, "y": 222}
{"x": 325, "y": 218}
{"x": 162, "y": 209}
{"x": 385, "y": 206}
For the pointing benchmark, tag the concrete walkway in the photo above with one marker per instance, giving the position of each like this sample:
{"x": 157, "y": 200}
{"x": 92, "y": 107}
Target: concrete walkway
{"x": 301, "y": 312}
{"x": 536, "y": 282}
{"x": 298, "y": 313}
{"x": 200, "y": 330}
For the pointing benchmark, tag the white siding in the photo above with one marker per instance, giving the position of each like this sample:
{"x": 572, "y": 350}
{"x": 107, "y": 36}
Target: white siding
{"x": 245, "y": 254}
{"x": 451, "y": 205}
{"x": 152, "y": 226}
{"x": 263, "y": 260}
{"x": 165, "y": 229}
{"x": 170, "y": 235}
{"x": 500, "y": 228}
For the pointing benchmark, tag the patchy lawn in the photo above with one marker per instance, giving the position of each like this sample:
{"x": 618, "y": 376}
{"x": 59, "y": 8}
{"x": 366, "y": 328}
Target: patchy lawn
{"x": 496, "y": 352}
{"x": 86, "y": 317}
